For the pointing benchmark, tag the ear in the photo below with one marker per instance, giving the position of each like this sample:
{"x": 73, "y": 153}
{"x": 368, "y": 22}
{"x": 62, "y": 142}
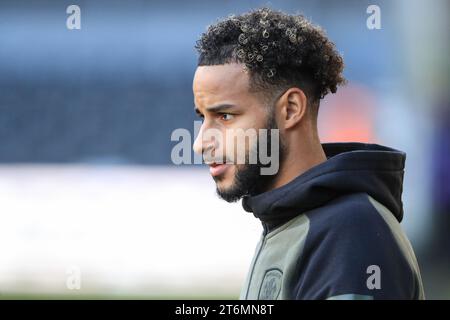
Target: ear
{"x": 292, "y": 106}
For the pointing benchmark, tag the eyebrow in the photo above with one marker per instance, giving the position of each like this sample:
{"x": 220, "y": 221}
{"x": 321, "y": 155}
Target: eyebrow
{"x": 217, "y": 108}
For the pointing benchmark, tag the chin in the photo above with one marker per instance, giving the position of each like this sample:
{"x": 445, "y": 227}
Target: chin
{"x": 227, "y": 180}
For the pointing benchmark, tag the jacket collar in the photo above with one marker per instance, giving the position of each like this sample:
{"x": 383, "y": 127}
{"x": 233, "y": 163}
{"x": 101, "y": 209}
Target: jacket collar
{"x": 351, "y": 167}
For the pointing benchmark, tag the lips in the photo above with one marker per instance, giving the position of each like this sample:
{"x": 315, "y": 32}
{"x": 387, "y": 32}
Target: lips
{"x": 217, "y": 169}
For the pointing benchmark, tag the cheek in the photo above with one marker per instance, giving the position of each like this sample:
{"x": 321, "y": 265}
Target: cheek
{"x": 238, "y": 143}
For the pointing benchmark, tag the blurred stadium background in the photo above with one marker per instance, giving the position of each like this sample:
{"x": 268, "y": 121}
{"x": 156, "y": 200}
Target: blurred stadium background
{"x": 87, "y": 185}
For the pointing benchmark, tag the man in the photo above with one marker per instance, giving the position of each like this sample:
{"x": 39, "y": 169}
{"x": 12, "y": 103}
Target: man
{"x": 331, "y": 212}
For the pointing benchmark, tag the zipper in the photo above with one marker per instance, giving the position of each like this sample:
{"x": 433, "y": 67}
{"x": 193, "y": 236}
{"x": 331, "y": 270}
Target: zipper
{"x": 263, "y": 240}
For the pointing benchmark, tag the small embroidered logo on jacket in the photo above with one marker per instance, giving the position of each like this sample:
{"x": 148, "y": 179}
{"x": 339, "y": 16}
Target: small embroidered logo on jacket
{"x": 271, "y": 285}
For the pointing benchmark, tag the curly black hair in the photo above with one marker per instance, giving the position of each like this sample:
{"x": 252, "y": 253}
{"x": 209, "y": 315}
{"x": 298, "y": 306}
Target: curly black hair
{"x": 278, "y": 51}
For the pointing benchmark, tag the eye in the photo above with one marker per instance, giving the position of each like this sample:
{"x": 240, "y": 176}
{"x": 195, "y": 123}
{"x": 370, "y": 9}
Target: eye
{"x": 226, "y": 116}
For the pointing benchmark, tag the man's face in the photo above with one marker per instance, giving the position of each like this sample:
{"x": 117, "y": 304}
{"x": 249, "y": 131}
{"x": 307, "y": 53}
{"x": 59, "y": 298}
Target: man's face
{"x": 223, "y": 100}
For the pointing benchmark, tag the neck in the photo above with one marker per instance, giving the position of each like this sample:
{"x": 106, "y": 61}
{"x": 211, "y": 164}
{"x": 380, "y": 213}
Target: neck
{"x": 300, "y": 156}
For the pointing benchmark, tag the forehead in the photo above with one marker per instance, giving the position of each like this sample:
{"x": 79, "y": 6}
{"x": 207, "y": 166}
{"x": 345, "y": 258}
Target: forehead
{"x": 220, "y": 82}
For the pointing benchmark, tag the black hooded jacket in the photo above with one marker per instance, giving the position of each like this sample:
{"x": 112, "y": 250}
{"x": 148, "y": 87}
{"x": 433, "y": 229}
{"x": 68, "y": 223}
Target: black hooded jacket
{"x": 333, "y": 232}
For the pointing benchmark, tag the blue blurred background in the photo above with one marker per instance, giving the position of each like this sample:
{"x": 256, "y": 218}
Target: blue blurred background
{"x": 86, "y": 178}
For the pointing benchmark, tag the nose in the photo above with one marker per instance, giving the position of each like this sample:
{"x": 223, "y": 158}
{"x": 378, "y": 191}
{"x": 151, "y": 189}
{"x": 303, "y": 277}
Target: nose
{"x": 199, "y": 143}
{"x": 197, "y": 147}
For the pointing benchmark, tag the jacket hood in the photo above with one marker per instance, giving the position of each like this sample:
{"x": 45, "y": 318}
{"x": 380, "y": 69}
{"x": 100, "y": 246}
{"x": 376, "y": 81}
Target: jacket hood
{"x": 351, "y": 167}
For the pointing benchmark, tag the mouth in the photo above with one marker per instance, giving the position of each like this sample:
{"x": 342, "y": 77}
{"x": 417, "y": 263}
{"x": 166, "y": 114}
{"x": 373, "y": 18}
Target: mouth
{"x": 216, "y": 169}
